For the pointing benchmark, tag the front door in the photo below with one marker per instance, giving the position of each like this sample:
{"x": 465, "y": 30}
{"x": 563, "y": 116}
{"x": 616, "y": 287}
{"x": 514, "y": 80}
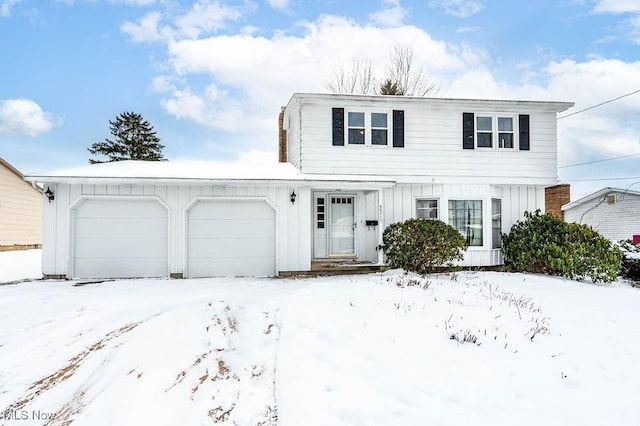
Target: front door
{"x": 341, "y": 225}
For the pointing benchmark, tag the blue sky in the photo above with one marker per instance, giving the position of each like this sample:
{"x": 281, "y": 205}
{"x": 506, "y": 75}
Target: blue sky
{"x": 212, "y": 75}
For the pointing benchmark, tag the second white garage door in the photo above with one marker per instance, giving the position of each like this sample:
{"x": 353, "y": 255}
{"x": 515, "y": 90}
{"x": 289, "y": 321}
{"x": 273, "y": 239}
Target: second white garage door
{"x": 231, "y": 238}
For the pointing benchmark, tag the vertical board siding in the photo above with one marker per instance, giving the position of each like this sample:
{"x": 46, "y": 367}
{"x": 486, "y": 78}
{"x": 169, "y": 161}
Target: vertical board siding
{"x": 293, "y": 221}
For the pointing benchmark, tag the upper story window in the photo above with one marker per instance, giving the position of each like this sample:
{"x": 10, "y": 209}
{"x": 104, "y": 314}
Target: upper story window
{"x": 355, "y": 123}
{"x": 485, "y": 134}
{"x": 369, "y": 128}
{"x": 497, "y": 131}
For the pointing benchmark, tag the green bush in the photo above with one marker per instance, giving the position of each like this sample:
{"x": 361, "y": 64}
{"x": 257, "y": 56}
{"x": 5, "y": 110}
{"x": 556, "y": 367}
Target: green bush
{"x": 420, "y": 245}
{"x": 630, "y": 260}
{"x": 543, "y": 243}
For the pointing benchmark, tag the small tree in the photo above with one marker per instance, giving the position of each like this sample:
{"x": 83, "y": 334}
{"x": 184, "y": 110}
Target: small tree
{"x": 133, "y": 139}
{"x": 421, "y": 245}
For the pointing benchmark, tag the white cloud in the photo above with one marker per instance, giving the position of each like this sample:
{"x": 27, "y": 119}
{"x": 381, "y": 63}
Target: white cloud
{"x": 279, "y": 4}
{"x": 205, "y": 17}
{"x": 459, "y": 8}
{"x": 617, "y": 6}
{"x": 24, "y": 117}
{"x": 5, "y": 7}
{"x": 134, "y": 2}
{"x": 392, "y": 15}
{"x": 266, "y": 71}
{"x": 146, "y": 29}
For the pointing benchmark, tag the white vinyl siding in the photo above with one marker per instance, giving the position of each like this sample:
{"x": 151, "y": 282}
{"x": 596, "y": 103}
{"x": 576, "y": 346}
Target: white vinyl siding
{"x": 432, "y": 144}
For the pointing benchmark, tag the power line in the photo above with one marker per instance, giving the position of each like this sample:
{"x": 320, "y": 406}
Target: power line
{"x": 599, "y": 179}
{"x": 600, "y": 104}
{"x": 598, "y": 161}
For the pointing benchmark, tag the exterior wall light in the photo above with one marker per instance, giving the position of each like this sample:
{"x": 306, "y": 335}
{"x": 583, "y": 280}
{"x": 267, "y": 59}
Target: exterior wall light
{"x": 293, "y": 197}
{"x": 49, "y": 194}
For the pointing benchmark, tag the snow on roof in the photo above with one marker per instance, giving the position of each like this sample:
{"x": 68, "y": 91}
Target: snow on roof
{"x": 191, "y": 170}
{"x": 597, "y": 194}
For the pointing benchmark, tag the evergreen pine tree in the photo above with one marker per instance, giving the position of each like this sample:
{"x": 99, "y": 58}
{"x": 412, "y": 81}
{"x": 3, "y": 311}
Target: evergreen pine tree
{"x": 133, "y": 139}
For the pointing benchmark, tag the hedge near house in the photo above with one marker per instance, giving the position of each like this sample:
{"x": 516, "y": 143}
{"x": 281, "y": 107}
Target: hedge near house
{"x": 543, "y": 243}
{"x": 421, "y": 245}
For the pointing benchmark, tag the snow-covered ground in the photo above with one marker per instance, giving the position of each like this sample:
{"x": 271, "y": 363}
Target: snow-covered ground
{"x": 381, "y": 349}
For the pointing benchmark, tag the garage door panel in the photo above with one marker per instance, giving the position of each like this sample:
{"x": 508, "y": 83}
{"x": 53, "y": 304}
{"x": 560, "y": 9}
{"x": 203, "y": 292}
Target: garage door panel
{"x": 120, "y": 238}
{"x": 132, "y": 247}
{"x": 260, "y": 267}
{"x": 112, "y": 208}
{"x": 231, "y": 238}
{"x": 258, "y": 228}
{"x": 124, "y": 267}
{"x": 120, "y": 227}
{"x": 229, "y": 248}
{"x": 231, "y": 210}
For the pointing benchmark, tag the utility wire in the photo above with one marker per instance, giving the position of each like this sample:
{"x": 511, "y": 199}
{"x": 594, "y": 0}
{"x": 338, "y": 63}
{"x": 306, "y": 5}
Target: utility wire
{"x": 599, "y": 161}
{"x": 598, "y": 179}
{"x": 600, "y": 104}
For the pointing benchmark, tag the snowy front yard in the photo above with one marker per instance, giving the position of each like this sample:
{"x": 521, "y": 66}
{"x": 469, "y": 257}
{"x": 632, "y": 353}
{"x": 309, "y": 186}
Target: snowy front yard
{"x": 381, "y": 349}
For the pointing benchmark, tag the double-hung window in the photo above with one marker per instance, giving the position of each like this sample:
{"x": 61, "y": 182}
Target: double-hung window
{"x": 488, "y": 137}
{"x": 466, "y": 217}
{"x": 496, "y": 223}
{"x": 367, "y": 128}
{"x": 426, "y": 209}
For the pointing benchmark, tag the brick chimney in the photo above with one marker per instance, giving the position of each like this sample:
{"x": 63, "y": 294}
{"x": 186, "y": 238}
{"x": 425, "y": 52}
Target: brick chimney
{"x": 282, "y": 139}
{"x": 555, "y": 197}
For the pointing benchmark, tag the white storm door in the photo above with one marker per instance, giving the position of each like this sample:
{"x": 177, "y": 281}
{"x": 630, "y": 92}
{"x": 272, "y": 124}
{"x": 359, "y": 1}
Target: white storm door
{"x": 341, "y": 226}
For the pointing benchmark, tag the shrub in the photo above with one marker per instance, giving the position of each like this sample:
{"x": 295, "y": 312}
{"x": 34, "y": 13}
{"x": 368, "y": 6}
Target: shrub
{"x": 630, "y": 260}
{"x": 543, "y": 243}
{"x": 420, "y": 245}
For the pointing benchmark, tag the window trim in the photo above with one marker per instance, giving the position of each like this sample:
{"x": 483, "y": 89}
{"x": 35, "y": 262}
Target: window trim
{"x": 493, "y": 246}
{"x": 368, "y": 127}
{"x": 483, "y": 205}
{"x": 438, "y": 208}
{"x": 495, "y": 132}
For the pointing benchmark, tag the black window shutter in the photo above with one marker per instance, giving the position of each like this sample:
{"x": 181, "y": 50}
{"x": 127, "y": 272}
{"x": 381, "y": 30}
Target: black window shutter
{"x": 523, "y": 121}
{"x": 338, "y": 126}
{"x": 468, "y": 141}
{"x": 398, "y": 128}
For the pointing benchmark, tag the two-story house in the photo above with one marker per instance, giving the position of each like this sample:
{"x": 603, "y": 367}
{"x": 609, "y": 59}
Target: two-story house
{"x": 350, "y": 166}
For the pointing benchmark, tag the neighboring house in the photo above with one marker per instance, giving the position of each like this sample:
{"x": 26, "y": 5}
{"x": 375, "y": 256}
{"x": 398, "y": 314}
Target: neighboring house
{"x": 20, "y": 211}
{"x": 613, "y": 212}
{"x": 351, "y": 165}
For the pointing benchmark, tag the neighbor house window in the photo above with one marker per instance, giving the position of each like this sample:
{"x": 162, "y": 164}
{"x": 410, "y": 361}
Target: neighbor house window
{"x": 355, "y": 124}
{"x": 466, "y": 217}
{"x": 496, "y": 223}
{"x": 426, "y": 209}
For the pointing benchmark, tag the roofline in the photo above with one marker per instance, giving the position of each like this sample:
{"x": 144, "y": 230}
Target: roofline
{"x": 557, "y": 106}
{"x": 10, "y": 167}
{"x": 304, "y": 180}
{"x": 595, "y": 195}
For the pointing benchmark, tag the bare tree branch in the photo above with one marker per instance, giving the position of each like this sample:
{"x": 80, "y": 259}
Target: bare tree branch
{"x": 357, "y": 78}
{"x": 409, "y": 80}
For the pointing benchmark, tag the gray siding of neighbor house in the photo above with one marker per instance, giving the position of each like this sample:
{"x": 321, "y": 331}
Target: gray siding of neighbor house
{"x": 617, "y": 221}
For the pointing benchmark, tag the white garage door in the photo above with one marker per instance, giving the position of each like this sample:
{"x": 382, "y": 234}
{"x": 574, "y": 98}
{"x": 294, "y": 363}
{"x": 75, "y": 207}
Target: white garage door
{"x": 120, "y": 239}
{"x": 231, "y": 238}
